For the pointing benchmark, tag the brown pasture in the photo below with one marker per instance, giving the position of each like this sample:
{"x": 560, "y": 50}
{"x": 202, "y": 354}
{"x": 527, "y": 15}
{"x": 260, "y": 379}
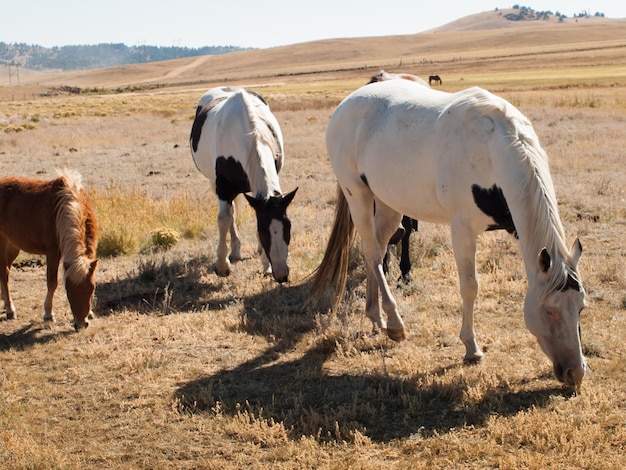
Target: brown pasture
{"x": 182, "y": 369}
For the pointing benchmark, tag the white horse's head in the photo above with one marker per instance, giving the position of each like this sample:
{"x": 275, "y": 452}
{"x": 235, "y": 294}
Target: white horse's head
{"x": 552, "y": 314}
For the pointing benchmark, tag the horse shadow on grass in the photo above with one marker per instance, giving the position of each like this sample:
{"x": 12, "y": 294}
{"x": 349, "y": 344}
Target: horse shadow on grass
{"x": 161, "y": 287}
{"x": 29, "y": 335}
{"x": 310, "y": 402}
{"x": 300, "y": 393}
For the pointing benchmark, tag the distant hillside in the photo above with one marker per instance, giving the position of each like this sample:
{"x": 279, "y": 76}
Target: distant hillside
{"x": 588, "y": 41}
{"x": 67, "y": 58}
{"x": 515, "y": 17}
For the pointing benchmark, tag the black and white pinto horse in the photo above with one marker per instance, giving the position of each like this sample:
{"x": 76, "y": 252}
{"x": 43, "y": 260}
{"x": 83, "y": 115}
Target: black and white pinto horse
{"x": 236, "y": 142}
{"x": 470, "y": 160}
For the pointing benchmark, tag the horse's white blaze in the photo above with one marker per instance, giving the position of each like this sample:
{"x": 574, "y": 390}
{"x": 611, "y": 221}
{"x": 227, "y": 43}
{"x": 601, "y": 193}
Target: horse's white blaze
{"x": 422, "y": 152}
{"x": 278, "y": 250}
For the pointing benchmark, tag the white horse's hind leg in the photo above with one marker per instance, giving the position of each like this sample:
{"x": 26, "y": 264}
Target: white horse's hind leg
{"x": 224, "y": 224}
{"x": 372, "y": 306}
{"x": 464, "y": 246}
{"x": 361, "y": 210}
{"x": 387, "y": 221}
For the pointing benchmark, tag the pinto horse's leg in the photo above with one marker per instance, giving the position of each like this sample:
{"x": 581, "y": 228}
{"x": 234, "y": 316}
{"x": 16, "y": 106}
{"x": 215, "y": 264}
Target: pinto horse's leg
{"x": 52, "y": 272}
{"x": 225, "y": 221}
{"x": 464, "y": 247}
{"x": 235, "y": 241}
{"x": 8, "y": 253}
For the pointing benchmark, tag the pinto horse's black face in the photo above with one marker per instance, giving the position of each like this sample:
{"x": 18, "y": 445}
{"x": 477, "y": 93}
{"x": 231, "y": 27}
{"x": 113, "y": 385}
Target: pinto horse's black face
{"x": 274, "y": 228}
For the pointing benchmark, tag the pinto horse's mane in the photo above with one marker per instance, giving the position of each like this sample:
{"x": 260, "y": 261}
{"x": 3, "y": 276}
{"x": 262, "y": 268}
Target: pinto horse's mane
{"x": 529, "y": 187}
{"x": 263, "y": 181}
{"x": 75, "y": 224}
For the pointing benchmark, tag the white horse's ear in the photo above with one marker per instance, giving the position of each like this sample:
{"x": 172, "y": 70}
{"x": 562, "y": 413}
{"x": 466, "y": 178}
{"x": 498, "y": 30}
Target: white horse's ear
{"x": 575, "y": 251}
{"x": 544, "y": 260}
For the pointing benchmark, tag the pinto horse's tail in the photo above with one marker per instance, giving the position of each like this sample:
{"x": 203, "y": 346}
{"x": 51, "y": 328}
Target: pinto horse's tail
{"x": 332, "y": 273}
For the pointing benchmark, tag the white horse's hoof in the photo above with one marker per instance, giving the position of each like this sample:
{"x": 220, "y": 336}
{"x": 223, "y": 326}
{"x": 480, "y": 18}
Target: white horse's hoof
{"x": 396, "y": 334}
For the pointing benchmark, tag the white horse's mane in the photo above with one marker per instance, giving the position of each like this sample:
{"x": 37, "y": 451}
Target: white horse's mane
{"x": 263, "y": 180}
{"x": 533, "y": 193}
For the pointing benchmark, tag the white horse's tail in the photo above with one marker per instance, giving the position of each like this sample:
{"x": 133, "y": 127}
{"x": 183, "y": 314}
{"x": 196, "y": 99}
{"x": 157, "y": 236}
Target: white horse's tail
{"x": 332, "y": 273}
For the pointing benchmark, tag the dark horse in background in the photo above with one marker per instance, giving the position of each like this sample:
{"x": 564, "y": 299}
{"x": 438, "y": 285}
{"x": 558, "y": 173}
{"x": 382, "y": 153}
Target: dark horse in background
{"x": 434, "y": 78}
{"x": 409, "y": 225}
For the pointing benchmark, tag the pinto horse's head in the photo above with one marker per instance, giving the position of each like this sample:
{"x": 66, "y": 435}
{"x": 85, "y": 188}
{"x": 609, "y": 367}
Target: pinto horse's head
{"x": 552, "y": 314}
{"x": 80, "y": 290}
{"x": 274, "y": 228}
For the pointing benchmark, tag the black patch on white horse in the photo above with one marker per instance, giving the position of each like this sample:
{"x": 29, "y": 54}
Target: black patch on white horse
{"x": 196, "y": 128}
{"x": 492, "y": 202}
{"x": 198, "y": 122}
{"x": 230, "y": 179}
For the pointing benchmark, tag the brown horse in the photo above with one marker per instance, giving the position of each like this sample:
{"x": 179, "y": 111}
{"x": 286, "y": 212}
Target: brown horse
{"x": 52, "y": 218}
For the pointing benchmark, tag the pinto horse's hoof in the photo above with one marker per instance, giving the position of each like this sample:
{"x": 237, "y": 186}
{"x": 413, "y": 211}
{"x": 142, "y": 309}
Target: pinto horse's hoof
{"x": 221, "y": 273}
{"x": 11, "y": 316}
{"x": 396, "y": 335}
{"x": 472, "y": 360}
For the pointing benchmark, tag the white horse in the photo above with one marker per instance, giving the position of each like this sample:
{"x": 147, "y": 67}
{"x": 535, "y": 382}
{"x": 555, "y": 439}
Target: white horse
{"x": 236, "y": 142}
{"x": 468, "y": 159}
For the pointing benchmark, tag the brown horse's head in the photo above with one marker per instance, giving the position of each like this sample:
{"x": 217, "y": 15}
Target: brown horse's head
{"x": 80, "y": 291}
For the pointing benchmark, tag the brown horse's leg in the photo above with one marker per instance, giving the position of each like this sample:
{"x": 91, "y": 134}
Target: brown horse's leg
{"x": 52, "y": 270}
{"x": 8, "y": 253}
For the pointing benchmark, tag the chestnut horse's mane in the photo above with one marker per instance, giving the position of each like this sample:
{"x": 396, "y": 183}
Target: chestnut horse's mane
{"x": 77, "y": 231}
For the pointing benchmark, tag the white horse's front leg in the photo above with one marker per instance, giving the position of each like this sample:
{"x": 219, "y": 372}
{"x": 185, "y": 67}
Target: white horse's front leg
{"x": 235, "y": 241}
{"x": 224, "y": 223}
{"x": 464, "y": 246}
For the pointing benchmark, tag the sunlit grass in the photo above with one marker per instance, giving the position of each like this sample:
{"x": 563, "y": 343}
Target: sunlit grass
{"x": 130, "y": 221}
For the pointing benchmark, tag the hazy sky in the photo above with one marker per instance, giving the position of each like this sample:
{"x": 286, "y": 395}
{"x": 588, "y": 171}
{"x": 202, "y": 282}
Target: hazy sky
{"x": 246, "y": 23}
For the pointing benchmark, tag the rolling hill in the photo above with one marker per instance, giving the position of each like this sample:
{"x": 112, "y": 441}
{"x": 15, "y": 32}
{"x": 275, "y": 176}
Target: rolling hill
{"x": 486, "y": 40}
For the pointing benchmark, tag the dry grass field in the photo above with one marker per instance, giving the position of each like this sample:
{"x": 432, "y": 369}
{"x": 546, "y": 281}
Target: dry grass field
{"x": 182, "y": 369}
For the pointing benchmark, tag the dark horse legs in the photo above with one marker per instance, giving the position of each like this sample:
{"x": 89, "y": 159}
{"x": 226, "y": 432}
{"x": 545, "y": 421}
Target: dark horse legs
{"x": 409, "y": 225}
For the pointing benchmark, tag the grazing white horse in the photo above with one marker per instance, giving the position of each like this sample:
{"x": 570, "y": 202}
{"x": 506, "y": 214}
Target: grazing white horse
{"x": 236, "y": 142}
{"x": 468, "y": 159}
